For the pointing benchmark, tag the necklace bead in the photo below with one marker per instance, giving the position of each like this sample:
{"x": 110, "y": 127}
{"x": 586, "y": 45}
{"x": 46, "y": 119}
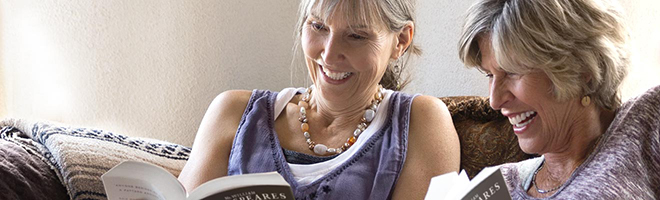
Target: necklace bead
{"x": 351, "y": 140}
{"x": 357, "y": 132}
{"x": 303, "y": 104}
{"x": 304, "y": 127}
{"x": 369, "y": 115}
{"x": 321, "y": 149}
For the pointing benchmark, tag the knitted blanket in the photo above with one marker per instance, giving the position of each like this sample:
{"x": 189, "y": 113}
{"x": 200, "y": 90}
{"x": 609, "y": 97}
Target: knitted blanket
{"x": 79, "y": 156}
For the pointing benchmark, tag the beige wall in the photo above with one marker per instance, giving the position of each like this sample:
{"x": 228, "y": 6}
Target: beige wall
{"x": 644, "y": 21}
{"x": 3, "y": 98}
{"x": 150, "y": 68}
{"x": 147, "y": 68}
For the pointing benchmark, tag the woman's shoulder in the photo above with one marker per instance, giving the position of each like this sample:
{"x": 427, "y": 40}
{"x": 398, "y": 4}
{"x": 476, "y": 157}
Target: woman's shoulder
{"x": 427, "y": 111}
{"x": 234, "y": 95}
{"x": 429, "y": 114}
{"x": 229, "y": 105}
{"x": 429, "y": 104}
{"x": 640, "y": 114}
{"x": 231, "y": 99}
{"x": 639, "y": 119}
{"x": 643, "y": 102}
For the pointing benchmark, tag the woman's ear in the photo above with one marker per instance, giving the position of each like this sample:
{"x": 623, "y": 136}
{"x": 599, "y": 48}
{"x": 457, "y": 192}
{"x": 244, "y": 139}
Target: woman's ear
{"x": 403, "y": 40}
{"x": 587, "y": 77}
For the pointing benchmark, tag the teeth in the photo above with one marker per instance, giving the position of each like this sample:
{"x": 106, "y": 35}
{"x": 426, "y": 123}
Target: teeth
{"x": 521, "y": 117}
{"x": 336, "y": 75}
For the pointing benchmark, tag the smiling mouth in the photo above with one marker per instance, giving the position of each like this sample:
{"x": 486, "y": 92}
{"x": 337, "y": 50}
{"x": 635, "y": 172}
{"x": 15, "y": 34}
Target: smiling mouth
{"x": 522, "y": 119}
{"x": 337, "y": 76}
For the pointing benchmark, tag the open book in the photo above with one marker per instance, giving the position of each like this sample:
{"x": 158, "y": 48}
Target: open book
{"x": 488, "y": 184}
{"x": 131, "y": 180}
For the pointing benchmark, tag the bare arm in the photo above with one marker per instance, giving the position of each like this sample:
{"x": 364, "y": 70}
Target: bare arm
{"x": 433, "y": 148}
{"x": 213, "y": 142}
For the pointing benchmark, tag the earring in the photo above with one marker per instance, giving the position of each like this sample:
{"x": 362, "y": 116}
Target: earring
{"x": 397, "y": 71}
{"x": 396, "y": 68}
{"x": 586, "y": 100}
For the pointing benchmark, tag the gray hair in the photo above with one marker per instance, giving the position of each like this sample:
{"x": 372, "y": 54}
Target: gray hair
{"x": 582, "y": 45}
{"x": 393, "y": 15}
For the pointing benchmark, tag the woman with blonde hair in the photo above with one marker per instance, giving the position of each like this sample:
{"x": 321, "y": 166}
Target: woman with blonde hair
{"x": 351, "y": 135}
{"x": 554, "y": 69}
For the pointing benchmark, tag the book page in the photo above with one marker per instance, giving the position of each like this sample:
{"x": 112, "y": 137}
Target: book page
{"x": 136, "y": 180}
{"x": 441, "y": 185}
{"x": 446, "y": 185}
{"x": 461, "y": 184}
{"x": 130, "y": 189}
{"x": 484, "y": 173}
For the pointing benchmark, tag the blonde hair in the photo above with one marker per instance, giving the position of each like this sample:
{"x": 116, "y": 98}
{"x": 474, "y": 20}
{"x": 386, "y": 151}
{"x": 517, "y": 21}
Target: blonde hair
{"x": 582, "y": 45}
{"x": 393, "y": 15}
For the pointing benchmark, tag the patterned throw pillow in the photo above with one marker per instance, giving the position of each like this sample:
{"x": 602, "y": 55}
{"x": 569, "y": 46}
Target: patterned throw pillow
{"x": 81, "y": 155}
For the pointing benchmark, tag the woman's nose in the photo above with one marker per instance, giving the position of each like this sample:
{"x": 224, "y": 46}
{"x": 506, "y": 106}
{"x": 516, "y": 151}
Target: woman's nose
{"x": 333, "y": 51}
{"x": 499, "y": 94}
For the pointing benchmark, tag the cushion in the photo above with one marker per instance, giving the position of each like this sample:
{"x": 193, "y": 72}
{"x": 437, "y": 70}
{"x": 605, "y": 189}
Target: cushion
{"x": 24, "y": 173}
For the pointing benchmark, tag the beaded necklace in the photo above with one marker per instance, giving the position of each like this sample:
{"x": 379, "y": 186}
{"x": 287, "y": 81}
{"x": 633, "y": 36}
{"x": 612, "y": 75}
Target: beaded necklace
{"x": 321, "y": 149}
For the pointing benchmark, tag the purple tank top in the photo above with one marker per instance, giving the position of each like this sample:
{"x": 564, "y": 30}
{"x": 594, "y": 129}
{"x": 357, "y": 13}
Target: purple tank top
{"x": 369, "y": 174}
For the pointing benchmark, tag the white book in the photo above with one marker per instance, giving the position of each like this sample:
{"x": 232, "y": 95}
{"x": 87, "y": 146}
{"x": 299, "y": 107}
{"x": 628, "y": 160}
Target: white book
{"x": 488, "y": 184}
{"x": 137, "y": 180}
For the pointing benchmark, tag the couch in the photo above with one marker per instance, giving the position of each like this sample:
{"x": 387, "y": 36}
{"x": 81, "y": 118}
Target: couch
{"x": 46, "y": 160}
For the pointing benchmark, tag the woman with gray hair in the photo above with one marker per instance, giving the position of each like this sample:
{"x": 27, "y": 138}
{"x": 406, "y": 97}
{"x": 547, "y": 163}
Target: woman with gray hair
{"x": 554, "y": 69}
{"x": 351, "y": 135}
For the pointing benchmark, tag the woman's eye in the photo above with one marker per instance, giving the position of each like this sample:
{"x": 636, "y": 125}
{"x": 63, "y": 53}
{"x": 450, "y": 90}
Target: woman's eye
{"x": 512, "y": 75}
{"x": 317, "y": 26}
{"x": 489, "y": 75}
{"x": 357, "y": 36}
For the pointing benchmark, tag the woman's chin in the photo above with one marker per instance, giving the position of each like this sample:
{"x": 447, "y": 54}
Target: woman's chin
{"x": 527, "y": 146}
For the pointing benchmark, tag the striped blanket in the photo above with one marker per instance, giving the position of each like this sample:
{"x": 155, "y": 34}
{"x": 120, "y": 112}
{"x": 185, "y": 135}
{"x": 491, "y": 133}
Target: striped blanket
{"x": 79, "y": 156}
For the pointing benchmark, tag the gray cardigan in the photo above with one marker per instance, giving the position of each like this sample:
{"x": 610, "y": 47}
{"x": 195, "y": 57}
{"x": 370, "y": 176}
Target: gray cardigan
{"x": 625, "y": 165}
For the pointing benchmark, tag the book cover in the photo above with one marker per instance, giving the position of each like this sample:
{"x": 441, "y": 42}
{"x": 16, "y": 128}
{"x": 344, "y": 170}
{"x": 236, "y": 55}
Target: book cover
{"x": 488, "y": 184}
{"x": 137, "y": 180}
